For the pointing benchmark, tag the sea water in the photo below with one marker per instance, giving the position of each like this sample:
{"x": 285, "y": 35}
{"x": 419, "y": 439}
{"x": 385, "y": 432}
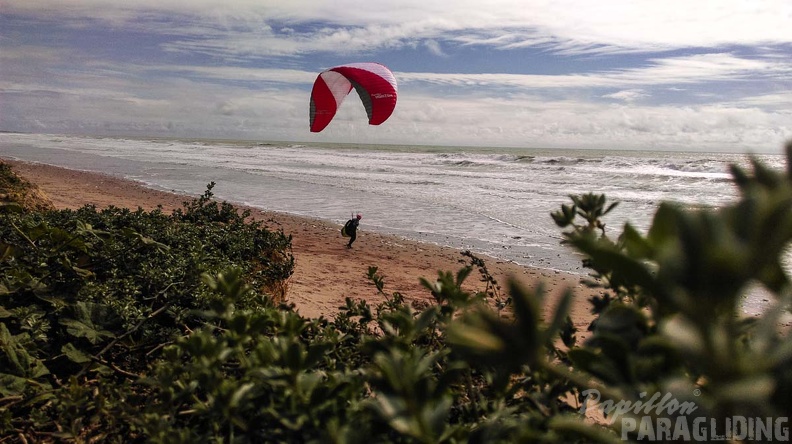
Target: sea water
{"x": 492, "y": 201}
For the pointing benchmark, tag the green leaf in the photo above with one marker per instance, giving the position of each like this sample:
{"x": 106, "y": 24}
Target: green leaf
{"x": 239, "y": 394}
{"x": 88, "y": 322}
{"x": 80, "y": 329}
{"x": 7, "y": 251}
{"x": 559, "y": 316}
{"x": 14, "y": 352}
{"x": 476, "y": 335}
{"x": 597, "y": 364}
{"x": 74, "y": 354}
{"x": 664, "y": 225}
{"x": 528, "y": 315}
{"x": 22, "y": 363}
{"x": 635, "y": 244}
{"x": 11, "y": 385}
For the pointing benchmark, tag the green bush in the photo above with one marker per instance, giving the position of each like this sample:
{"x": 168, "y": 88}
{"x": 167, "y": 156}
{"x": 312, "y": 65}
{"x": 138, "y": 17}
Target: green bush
{"x": 87, "y": 292}
{"x": 127, "y": 326}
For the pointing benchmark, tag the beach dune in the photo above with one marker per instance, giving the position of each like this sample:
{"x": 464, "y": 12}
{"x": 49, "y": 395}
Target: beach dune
{"x": 326, "y": 272}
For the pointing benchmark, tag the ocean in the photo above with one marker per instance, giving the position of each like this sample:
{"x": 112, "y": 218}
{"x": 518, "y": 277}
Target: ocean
{"x": 493, "y": 201}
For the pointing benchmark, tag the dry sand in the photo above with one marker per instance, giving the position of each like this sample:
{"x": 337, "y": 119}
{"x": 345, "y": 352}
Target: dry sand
{"x": 326, "y": 272}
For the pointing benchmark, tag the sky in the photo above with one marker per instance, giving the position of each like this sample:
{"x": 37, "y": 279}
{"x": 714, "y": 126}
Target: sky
{"x": 695, "y": 75}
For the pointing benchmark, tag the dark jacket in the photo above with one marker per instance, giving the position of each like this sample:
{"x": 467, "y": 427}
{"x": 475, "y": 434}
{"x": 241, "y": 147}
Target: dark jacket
{"x": 351, "y": 226}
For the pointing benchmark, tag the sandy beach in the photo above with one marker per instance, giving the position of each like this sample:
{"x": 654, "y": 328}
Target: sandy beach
{"x": 326, "y": 272}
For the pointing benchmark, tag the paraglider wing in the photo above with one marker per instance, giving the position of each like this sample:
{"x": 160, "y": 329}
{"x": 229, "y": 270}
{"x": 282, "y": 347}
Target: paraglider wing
{"x": 375, "y": 84}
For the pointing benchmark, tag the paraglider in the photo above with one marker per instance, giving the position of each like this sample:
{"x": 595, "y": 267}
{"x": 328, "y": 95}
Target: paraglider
{"x": 375, "y": 84}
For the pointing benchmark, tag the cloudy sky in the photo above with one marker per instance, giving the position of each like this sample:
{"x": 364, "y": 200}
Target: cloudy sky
{"x": 711, "y": 75}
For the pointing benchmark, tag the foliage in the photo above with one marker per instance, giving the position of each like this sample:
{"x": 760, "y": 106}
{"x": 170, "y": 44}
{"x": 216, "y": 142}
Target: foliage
{"x": 90, "y": 294}
{"x": 134, "y": 326}
{"x": 17, "y": 194}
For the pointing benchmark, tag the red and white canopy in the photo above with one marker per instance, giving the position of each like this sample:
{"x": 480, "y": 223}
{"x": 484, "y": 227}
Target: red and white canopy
{"x": 375, "y": 84}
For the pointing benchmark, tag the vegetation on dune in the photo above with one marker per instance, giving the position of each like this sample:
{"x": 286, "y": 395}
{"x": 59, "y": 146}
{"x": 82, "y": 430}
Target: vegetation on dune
{"x": 126, "y": 326}
{"x": 17, "y": 193}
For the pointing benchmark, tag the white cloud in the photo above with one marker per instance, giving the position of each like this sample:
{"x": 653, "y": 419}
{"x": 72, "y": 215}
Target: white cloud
{"x": 434, "y": 47}
{"x": 627, "y": 95}
{"x": 570, "y": 26}
{"x": 527, "y": 121}
{"x": 668, "y": 71}
{"x": 779, "y": 100}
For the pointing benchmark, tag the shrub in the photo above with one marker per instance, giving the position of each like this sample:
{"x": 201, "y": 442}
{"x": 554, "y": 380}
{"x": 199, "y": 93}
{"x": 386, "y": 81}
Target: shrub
{"x": 108, "y": 336}
{"x": 90, "y": 294}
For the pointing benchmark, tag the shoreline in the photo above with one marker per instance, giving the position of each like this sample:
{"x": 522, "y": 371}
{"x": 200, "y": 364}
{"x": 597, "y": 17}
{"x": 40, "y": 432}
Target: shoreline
{"x": 326, "y": 272}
